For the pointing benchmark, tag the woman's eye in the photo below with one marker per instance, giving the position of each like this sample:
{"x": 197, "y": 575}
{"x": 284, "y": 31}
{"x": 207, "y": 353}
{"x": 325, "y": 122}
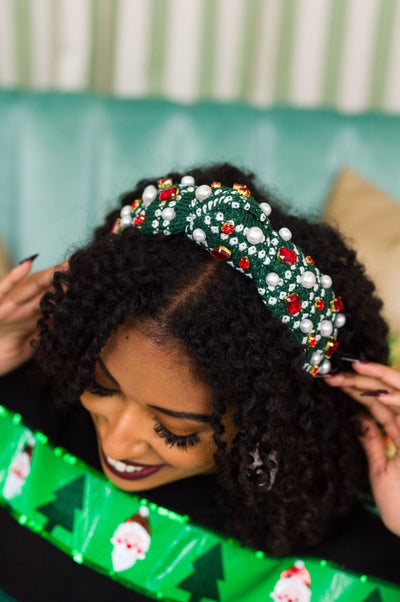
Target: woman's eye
{"x": 97, "y": 389}
{"x": 180, "y": 441}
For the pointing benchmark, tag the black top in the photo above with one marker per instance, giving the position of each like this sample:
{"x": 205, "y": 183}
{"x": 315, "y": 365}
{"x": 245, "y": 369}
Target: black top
{"x": 33, "y": 569}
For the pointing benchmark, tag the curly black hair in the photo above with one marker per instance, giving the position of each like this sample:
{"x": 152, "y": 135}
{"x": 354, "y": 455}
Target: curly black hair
{"x": 214, "y": 315}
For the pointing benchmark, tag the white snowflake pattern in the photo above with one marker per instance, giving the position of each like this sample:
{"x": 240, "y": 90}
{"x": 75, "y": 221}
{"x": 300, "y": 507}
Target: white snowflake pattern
{"x": 288, "y": 274}
{"x": 165, "y": 224}
{"x": 304, "y": 304}
{"x": 242, "y": 246}
{"x": 272, "y": 251}
{"x": 252, "y": 250}
{"x": 275, "y": 241}
{"x": 261, "y": 254}
{"x": 207, "y": 220}
{"x": 272, "y": 301}
{"x": 157, "y": 212}
{"x": 292, "y": 287}
{"x": 224, "y": 236}
{"x": 233, "y": 240}
{"x": 239, "y": 228}
{"x": 235, "y": 205}
{"x": 267, "y": 261}
{"x": 263, "y": 217}
{"x": 217, "y": 191}
{"x": 296, "y": 324}
{"x": 246, "y": 206}
{"x": 219, "y": 216}
{"x": 261, "y": 291}
{"x": 190, "y": 189}
{"x": 198, "y": 212}
{"x": 172, "y": 204}
{"x": 167, "y": 232}
{"x": 214, "y": 229}
{"x": 285, "y": 319}
{"x": 282, "y": 294}
{"x": 155, "y": 223}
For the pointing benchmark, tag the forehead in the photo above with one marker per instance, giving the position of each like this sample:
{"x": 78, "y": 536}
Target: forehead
{"x": 154, "y": 373}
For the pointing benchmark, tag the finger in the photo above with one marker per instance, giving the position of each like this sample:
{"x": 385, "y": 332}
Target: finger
{"x": 15, "y": 313}
{"x": 36, "y": 284}
{"x": 386, "y": 374}
{"x": 374, "y": 447}
{"x": 14, "y": 277}
{"x": 383, "y": 414}
{"x": 357, "y": 381}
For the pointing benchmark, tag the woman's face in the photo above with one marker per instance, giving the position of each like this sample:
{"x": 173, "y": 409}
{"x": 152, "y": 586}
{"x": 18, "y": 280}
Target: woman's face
{"x": 150, "y": 414}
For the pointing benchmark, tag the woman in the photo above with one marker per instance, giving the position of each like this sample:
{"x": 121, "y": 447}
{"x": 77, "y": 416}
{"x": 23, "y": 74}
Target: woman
{"x": 206, "y": 388}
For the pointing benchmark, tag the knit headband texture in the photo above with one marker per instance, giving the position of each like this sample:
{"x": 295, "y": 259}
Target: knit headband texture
{"x": 235, "y": 228}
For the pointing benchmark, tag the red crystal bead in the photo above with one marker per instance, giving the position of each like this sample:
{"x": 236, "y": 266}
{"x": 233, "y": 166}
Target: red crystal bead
{"x": 319, "y": 304}
{"x": 136, "y": 204}
{"x": 287, "y": 256}
{"x": 165, "y": 183}
{"x": 228, "y": 228}
{"x": 216, "y": 185}
{"x": 221, "y": 253}
{"x": 309, "y": 260}
{"x": 293, "y": 304}
{"x": 244, "y": 262}
{"x": 312, "y": 341}
{"x": 169, "y": 194}
{"x": 242, "y": 190}
{"x": 116, "y": 226}
{"x": 331, "y": 347}
{"x": 336, "y": 304}
{"x": 314, "y": 370}
{"x": 139, "y": 219}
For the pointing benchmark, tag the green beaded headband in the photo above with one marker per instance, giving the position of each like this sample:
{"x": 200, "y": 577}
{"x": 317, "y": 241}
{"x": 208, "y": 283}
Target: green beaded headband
{"x": 233, "y": 227}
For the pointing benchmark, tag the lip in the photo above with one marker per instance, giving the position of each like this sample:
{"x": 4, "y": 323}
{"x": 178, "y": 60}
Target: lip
{"x": 132, "y": 476}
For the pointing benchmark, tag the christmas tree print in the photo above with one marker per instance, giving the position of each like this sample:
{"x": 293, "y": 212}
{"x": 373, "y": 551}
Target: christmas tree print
{"x": 61, "y": 511}
{"x": 374, "y": 596}
{"x": 208, "y": 569}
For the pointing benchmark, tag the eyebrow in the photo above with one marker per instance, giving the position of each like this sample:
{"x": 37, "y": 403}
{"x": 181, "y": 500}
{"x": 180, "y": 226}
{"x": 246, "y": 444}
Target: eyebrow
{"x": 173, "y": 413}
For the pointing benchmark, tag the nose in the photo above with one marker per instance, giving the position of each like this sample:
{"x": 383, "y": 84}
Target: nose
{"x": 122, "y": 436}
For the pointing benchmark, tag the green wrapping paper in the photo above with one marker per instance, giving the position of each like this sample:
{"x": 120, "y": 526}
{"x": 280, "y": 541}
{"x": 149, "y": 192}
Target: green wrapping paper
{"x": 146, "y": 547}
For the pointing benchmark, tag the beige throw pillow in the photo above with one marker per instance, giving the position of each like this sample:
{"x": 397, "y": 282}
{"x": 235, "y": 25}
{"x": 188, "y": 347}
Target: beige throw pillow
{"x": 370, "y": 220}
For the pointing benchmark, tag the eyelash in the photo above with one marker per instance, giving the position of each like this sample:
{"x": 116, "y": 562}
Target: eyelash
{"x": 172, "y": 440}
{"x": 96, "y": 389}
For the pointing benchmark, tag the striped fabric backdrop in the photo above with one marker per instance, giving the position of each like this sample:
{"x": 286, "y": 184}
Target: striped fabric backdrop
{"x": 315, "y": 53}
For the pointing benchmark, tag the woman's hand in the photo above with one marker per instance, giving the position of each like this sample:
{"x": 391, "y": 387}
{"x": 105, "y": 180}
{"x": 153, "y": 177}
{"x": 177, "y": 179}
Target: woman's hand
{"x": 377, "y": 387}
{"x": 19, "y": 311}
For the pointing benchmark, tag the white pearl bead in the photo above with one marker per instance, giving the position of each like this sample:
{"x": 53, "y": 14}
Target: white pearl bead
{"x": 266, "y": 208}
{"x": 203, "y": 192}
{"x": 149, "y": 194}
{"x": 126, "y": 210}
{"x": 199, "y": 235}
{"x": 272, "y": 279}
{"x": 187, "y": 181}
{"x": 317, "y": 357}
{"x": 326, "y": 281}
{"x": 325, "y": 367}
{"x": 255, "y": 235}
{"x": 285, "y": 233}
{"x": 340, "y": 320}
{"x": 168, "y": 214}
{"x": 326, "y": 328}
{"x": 126, "y": 221}
{"x": 306, "y": 326}
{"x": 308, "y": 279}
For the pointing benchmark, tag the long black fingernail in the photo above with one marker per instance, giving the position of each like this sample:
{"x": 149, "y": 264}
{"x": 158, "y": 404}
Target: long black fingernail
{"x": 353, "y": 360}
{"x": 31, "y": 258}
{"x": 374, "y": 393}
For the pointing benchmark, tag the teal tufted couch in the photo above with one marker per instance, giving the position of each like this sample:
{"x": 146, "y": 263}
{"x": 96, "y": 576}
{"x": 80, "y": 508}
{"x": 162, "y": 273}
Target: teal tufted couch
{"x": 64, "y": 158}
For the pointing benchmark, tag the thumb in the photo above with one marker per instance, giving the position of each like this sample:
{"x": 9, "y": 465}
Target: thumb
{"x": 371, "y": 439}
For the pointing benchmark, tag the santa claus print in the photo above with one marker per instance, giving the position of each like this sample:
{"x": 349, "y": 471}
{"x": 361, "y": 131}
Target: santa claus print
{"x": 19, "y": 470}
{"x": 131, "y": 541}
{"x": 294, "y": 585}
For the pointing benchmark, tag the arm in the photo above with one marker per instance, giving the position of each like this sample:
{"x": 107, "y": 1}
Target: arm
{"x": 20, "y": 295}
{"x": 377, "y": 387}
